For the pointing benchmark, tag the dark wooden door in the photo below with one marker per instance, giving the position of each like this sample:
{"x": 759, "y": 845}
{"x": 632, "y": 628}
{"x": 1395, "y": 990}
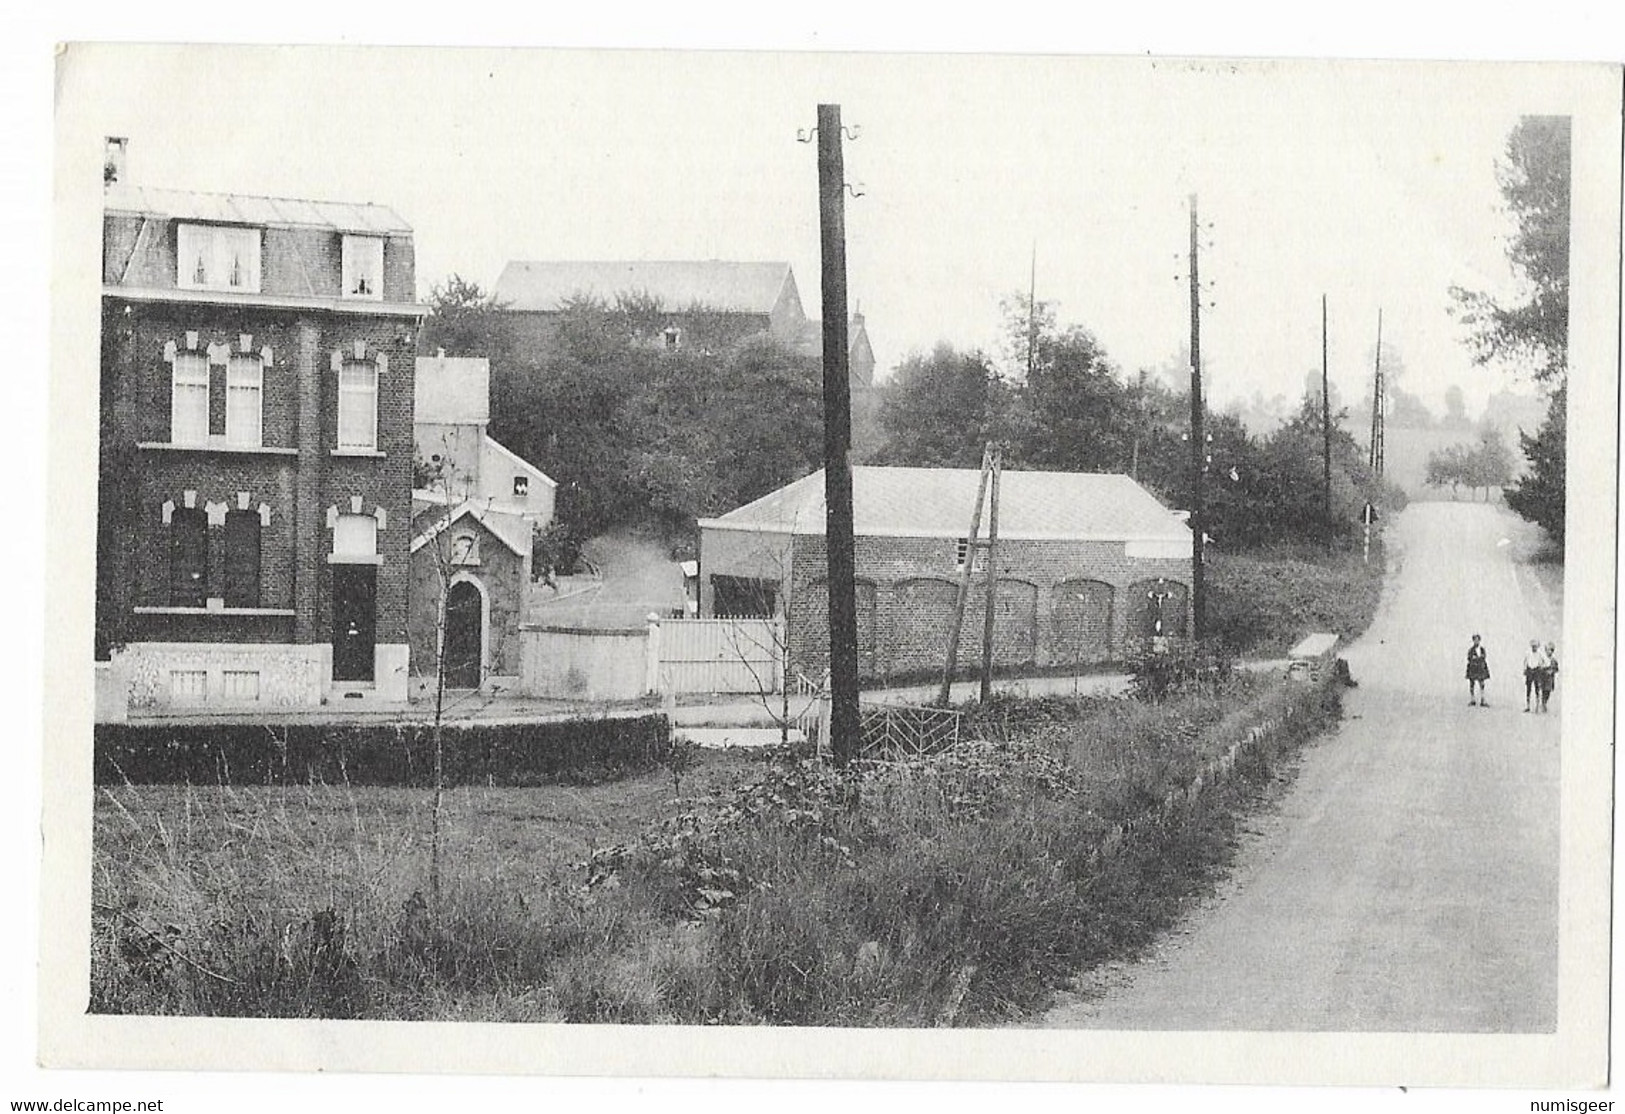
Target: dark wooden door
{"x": 355, "y": 619}
{"x": 464, "y": 636}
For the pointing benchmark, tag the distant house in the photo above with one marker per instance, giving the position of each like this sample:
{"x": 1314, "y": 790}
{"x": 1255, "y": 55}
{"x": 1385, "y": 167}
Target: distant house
{"x": 707, "y": 304}
{"x": 1087, "y": 565}
{"x": 256, "y": 441}
{"x": 449, "y": 429}
{"x": 474, "y": 511}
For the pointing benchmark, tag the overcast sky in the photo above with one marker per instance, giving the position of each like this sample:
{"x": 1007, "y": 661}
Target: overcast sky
{"x": 1372, "y": 183}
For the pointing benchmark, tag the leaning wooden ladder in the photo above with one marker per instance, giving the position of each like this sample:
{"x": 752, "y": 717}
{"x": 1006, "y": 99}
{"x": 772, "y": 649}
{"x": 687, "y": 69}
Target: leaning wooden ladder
{"x": 992, "y": 465}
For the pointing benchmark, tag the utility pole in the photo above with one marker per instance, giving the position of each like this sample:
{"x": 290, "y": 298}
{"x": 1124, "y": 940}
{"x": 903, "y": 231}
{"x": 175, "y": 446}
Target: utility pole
{"x": 1198, "y": 447}
{"x": 992, "y": 577}
{"x": 951, "y": 659}
{"x": 843, "y": 609}
{"x": 1377, "y": 416}
{"x": 1326, "y": 420}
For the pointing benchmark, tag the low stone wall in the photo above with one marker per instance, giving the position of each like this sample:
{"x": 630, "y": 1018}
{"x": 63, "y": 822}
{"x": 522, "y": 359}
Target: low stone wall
{"x": 580, "y": 664}
{"x": 168, "y": 676}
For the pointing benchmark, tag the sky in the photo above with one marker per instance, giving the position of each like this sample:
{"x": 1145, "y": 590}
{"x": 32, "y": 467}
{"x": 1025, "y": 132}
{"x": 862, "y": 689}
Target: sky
{"x": 1371, "y": 183}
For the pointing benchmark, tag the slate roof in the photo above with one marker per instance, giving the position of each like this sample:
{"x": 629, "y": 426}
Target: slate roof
{"x": 937, "y": 503}
{"x": 233, "y": 208}
{"x": 543, "y": 286}
{"x": 512, "y": 530}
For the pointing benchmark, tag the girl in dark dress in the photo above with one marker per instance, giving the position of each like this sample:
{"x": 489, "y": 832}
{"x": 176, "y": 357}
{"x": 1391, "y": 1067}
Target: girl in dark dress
{"x": 1478, "y": 671}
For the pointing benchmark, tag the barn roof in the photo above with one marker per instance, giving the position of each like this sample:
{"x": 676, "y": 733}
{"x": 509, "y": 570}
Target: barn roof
{"x": 937, "y": 502}
{"x": 544, "y": 286}
{"x": 237, "y": 208}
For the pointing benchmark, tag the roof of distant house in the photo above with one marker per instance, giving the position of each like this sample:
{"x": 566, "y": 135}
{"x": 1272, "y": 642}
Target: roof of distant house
{"x": 236, "y": 208}
{"x": 545, "y": 286}
{"x": 937, "y": 502}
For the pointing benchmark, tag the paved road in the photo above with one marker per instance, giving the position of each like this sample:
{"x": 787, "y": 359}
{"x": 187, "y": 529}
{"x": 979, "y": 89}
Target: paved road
{"x": 1408, "y": 879}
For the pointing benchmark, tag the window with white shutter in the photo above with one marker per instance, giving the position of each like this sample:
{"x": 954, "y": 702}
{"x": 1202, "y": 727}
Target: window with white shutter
{"x": 189, "y": 399}
{"x": 358, "y": 405}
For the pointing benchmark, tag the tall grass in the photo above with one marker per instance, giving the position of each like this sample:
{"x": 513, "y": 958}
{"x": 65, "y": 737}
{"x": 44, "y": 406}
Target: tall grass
{"x": 951, "y": 890}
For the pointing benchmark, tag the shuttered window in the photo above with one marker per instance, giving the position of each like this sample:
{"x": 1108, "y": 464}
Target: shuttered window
{"x": 244, "y": 389}
{"x": 189, "y": 399}
{"x": 358, "y": 405}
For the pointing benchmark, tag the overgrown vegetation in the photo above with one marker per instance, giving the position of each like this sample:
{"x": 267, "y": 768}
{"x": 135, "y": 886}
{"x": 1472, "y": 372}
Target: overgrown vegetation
{"x": 957, "y": 889}
{"x": 1261, "y": 604}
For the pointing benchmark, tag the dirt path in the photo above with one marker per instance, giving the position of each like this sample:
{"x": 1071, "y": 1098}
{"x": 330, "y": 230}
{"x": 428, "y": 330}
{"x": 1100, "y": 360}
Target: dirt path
{"x": 1407, "y": 881}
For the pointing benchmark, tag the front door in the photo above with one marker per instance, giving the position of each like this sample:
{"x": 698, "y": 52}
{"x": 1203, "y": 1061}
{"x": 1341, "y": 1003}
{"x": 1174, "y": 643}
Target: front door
{"x": 464, "y": 641}
{"x": 355, "y": 616}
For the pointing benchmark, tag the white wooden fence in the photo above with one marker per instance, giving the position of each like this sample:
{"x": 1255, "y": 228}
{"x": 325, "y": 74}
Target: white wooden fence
{"x": 672, "y": 656}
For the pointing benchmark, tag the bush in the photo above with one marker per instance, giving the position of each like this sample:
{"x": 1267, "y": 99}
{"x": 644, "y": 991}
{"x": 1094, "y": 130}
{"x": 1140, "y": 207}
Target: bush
{"x": 1265, "y": 603}
{"x": 575, "y": 751}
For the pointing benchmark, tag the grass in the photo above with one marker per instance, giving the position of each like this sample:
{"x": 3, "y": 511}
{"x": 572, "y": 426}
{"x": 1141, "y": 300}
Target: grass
{"x": 959, "y": 889}
{"x": 1262, "y": 604}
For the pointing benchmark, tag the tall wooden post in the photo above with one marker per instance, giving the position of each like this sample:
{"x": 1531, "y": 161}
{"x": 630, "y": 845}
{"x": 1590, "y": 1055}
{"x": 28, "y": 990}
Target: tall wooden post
{"x": 1198, "y": 447}
{"x": 951, "y": 657}
{"x": 843, "y": 609}
{"x": 992, "y": 577}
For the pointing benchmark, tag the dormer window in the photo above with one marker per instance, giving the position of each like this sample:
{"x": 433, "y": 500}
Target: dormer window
{"x": 363, "y": 266}
{"x": 217, "y": 257}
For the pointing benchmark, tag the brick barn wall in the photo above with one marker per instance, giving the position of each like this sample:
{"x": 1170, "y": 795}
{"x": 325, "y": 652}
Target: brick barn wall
{"x": 1039, "y": 621}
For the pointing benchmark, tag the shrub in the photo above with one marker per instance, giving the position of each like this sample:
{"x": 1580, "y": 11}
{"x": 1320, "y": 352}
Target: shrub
{"x": 577, "y": 751}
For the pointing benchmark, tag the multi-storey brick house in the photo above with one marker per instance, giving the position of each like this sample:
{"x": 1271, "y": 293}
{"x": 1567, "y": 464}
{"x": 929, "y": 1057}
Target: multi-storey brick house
{"x": 1088, "y": 566}
{"x": 256, "y": 450}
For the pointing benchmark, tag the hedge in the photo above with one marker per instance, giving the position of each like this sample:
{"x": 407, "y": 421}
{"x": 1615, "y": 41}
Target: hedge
{"x": 524, "y": 754}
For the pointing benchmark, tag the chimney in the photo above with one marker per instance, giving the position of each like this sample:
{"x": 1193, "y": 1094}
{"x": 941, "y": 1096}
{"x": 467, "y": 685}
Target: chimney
{"x": 118, "y": 148}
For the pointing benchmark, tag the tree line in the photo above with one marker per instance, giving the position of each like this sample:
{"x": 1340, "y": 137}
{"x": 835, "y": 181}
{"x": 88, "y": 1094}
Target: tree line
{"x": 1056, "y": 401}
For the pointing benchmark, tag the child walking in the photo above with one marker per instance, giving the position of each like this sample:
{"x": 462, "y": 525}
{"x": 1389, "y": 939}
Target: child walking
{"x": 1478, "y": 671}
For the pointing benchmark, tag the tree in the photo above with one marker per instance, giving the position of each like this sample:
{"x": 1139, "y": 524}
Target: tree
{"x": 1075, "y": 414}
{"x": 1448, "y": 466}
{"x": 1540, "y": 495}
{"x": 1531, "y": 330}
{"x": 1455, "y": 409}
{"x": 466, "y": 321}
{"x": 939, "y": 410}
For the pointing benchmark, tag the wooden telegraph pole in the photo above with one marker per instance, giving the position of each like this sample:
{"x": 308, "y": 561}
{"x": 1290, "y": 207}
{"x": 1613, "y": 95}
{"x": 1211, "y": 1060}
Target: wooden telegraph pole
{"x": 843, "y": 611}
{"x": 1198, "y": 447}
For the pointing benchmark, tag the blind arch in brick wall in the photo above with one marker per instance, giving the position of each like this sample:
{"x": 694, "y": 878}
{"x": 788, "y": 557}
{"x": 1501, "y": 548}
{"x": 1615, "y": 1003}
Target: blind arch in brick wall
{"x": 1081, "y": 622}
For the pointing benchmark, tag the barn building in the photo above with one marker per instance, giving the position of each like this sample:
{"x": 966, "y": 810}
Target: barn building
{"x": 1086, "y": 565}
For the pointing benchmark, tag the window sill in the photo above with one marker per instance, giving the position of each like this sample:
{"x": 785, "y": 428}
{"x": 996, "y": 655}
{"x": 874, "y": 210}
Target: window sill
{"x": 357, "y": 559}
{"x": 279, "y": 612}
{"x": 217, "y": 447}
{"x": 376, "y": 453}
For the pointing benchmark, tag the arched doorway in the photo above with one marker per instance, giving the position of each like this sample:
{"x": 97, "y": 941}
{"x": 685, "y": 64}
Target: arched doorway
{"x": 465, "y": 635}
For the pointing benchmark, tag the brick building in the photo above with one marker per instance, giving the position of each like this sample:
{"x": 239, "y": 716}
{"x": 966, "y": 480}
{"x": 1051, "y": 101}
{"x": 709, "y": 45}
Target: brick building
{"x": 706, "y": 304}
{"x": 256, "y": 450}
{"x": 474, "y": 510}
{"x": 1086, "y": 565}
